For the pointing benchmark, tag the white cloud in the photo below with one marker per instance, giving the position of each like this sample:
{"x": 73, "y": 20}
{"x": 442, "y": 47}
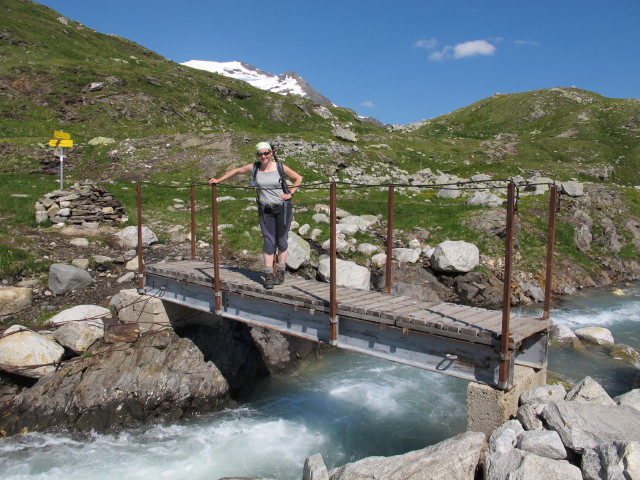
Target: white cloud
{"x": 473, "y": 49}
{"x": 368, "y": 104}
{"x": 429, "y": 44}
{"x": 462, "y": 50}
{"x": 440, "y": 54}
{"x": 526, "y": 42}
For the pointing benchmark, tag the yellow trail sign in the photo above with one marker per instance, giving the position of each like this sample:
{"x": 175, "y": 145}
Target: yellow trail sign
{"x": 60, "y": 143}
{"x": 61, "y": 135}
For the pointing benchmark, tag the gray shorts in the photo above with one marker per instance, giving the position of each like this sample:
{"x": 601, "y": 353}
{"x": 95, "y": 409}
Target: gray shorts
{"x": 275, "y": 222}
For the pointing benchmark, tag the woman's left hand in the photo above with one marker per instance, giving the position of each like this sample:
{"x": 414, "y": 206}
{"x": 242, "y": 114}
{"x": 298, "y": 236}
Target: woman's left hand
{"x": 286, "y": 196}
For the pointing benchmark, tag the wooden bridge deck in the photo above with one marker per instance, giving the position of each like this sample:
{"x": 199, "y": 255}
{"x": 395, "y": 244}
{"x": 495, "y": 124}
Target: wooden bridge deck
{"x": 455, "y": 339}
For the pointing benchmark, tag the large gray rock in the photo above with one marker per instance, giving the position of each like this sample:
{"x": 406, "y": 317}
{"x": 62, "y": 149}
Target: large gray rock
{"x": 314, "y": 468}
{"x": 405, "y": 255}
{"x": 505, "y": 437}
{"x": 347, "y": 229}
{"x": 363, "y": 222}
{"x": 341, "y": 244}
{"x": 21, "y": 349}
{"x": 520, "y": 465}
{"x": 452, "y": 459}
{"x": 573, "y": 189}
{"x": 583, "y": 235}
{"x": 320, "y": 218}
{"x": 161, "y": 376}
{"x": 64, "y": 278}
{"x": 590, "y": 391}
{"x": 544, "y": 443}
{"x": 585, "y": 425}
{"x": 342, "y": 133}
{"x": 484, "y": 199}
{"x": 148, "y": 312}
{"x": 528, "y": 417}
{"x": 545, "y": 394}
{"x": 626, "y": 353}
{"x": 609, "y": 236}
{"x": 368, "y": 248}
{"x": 538, "y": 185}
{"x": 599, "y": 335}
{"x": 612, "y": 461}
{"x": 562, "y": 334}
{"x": 348, "y": 274}
{"x": 449, "y": 192}
{"x": 128, "y": 237}
{"x": 455, "y": 256}
{"x": 630, "y": 399}
{"x": 298, "y": 251}
{"x": 14, "y": 299}
{"x": 280, "y": 351}
{"x": 78, "y": 336}
{"x": 327, "y": 210}
{"x": 411, "y": 280}
{"x": 533, "y": 290}
{"x": 91, "y": 314}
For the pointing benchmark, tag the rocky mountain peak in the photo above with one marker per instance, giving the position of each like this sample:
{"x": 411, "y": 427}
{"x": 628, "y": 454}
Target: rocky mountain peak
{"x": 287, "y": 83}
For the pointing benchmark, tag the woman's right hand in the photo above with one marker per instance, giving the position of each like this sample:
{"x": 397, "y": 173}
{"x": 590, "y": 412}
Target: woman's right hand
{"x": 213, "y": 180}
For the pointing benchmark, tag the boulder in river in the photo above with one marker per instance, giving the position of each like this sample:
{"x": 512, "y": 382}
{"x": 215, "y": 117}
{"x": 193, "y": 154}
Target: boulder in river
{"x": 161, "y": 375}
{"x": 21, "y": 349}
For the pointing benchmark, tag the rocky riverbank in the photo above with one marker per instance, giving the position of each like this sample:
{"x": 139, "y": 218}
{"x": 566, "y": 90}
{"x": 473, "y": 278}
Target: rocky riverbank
{"x": 575, "y": 435}
{"x": 582, "y": 433}
{"x": 169, "y": 369}
{"x": 121, "y": 376}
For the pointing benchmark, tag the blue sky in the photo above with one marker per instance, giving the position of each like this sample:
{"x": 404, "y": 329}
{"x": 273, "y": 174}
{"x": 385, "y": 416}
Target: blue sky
{"x": 398, "y": 61}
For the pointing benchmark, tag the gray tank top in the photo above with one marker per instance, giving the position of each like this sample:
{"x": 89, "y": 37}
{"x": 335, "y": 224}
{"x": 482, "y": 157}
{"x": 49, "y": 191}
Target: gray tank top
{"x": 269, "y": 187}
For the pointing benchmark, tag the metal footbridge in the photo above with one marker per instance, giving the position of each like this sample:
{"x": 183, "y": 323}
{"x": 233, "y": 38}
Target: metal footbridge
{"x": 453, "y": 339}
{"x": 472, "y": 343}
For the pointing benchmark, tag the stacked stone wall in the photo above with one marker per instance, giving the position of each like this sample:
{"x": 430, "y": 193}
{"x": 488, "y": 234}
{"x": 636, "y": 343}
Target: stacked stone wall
{"x": 79, "y": 204}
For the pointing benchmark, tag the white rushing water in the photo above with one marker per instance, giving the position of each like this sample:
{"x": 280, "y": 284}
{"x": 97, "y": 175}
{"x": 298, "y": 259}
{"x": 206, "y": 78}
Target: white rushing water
{"x": 346, "y": 407}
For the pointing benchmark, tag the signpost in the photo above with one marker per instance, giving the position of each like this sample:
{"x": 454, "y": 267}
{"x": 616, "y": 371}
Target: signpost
{"x": 60, "y": 141}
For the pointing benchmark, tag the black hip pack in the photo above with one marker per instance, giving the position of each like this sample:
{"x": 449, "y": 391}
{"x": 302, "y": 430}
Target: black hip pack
{"x": 271, "y": 209}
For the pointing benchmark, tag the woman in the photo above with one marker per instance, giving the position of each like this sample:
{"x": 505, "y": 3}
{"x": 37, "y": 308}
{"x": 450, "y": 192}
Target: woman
{"x": 274, "y": 200}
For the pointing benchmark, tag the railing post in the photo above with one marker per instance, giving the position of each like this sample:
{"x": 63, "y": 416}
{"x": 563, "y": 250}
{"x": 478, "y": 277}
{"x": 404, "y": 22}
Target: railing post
{"x": 505, "y": 356}
{"x": 139, "y": 220}
{"x": 387, "y": 287}
{"x": 193, "y": 221}
{"x": 551, "y": 237}
{"x": 216, "y": 258}
{"x": 333, "y": 318}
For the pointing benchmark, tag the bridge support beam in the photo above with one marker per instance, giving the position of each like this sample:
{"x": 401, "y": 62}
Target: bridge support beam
{"x": 488, "y": 407}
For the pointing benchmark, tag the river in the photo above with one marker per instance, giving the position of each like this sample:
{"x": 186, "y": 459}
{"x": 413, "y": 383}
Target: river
{"x": 346, "y": 407}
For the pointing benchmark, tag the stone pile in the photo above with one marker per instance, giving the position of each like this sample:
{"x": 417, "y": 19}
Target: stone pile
{"x": 80, "y": 204}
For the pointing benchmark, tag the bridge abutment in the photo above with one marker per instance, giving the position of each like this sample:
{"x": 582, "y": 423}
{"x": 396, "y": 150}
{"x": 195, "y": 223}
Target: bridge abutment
{"x": 489, "y": 407}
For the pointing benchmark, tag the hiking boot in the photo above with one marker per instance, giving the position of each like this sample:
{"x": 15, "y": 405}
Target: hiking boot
{"x": 269, "y": 280}
{"x": 278, "y": 277}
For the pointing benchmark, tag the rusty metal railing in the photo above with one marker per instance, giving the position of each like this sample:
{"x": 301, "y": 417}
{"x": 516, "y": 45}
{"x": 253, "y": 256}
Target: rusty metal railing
{"x": 504, "y": 353}
{"x": 192, "y": 197}
{"x": 216, "y": 249}
{"x": 333, "y": 303}
{"x": 551, "y": 237}
{"x": 390, "y": 205}
{"x": 139, "y": 219}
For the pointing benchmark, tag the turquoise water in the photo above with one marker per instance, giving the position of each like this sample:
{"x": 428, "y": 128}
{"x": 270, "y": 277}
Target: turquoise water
{"x": 346, "y": 407}
{"x": 617, "y": 309}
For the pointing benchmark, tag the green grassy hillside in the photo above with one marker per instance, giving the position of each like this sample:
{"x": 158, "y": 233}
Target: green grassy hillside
{"x": 49, "y": 65}
{"x": 560, "y": 131}
{"x": 171, "y": 123}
